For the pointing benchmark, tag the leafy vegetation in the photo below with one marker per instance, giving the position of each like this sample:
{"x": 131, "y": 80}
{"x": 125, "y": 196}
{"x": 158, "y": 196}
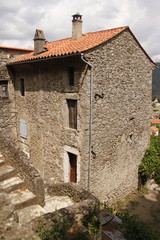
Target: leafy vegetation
{"x": 150, "y": 166}
{"x": 92, "y": 223}
{"x": 59, "y": 229}
{"x": 134, "y": 229}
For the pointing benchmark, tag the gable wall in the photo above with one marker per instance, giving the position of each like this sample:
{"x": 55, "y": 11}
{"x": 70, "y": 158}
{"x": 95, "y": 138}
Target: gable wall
{"x": 121, "y": 116}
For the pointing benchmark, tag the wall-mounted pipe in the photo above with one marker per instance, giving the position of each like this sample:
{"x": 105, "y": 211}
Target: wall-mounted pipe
{"x": 90, "y": 122}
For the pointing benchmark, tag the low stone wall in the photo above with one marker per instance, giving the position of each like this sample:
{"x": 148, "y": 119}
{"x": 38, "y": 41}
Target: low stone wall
{"x": 76, "y": 193}
{"x": 84, "y": 202}
{"x": 18, "y": 159}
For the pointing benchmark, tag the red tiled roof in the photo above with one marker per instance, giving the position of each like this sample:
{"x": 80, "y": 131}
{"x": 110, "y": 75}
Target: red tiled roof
{"x": 69, "y": 46}
{"x": 155, "y": 121}
{"x": 155, "y": 129}
{"x": 20, "y": 49}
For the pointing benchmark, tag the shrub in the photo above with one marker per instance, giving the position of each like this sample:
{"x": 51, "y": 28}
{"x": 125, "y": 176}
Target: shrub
{"x": 92, "y": 223}
{"x": 150, "y": 166}
{"x": 58, "y": 230}
{"x": 134, "y": 229}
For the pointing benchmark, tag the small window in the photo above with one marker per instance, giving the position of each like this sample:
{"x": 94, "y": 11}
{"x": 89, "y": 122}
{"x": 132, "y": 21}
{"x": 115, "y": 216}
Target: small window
{"x": 23, "y": 128}
{"x": 71, "y": 78}
{"x": 72, "y": 111}
{"x": 22, "y": 89}
{"x": 4, "y": 89}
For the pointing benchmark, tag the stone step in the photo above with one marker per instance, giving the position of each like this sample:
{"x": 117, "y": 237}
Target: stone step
{"x": 11, "y": 184}
{"x": 6, "y": 171}
{"x": 29, "y": 213}
{"x": 53, "y": 203}
{"x": 22, "y": 198}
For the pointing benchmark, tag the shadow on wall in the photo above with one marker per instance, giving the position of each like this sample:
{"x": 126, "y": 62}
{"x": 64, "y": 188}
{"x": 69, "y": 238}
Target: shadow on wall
{"x": 49, "y": 75}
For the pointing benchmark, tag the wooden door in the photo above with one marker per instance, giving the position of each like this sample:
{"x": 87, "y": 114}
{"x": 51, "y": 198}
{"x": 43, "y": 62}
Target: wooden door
{"x": 73, "y": 167}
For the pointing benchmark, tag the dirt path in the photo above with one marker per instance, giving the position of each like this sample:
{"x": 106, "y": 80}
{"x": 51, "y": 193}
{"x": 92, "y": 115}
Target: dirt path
{"x": 147, "y": 207}
{"x": 145, "y": 204}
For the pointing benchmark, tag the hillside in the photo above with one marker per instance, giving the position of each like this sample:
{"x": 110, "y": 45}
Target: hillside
{"x": 156, "y": 81}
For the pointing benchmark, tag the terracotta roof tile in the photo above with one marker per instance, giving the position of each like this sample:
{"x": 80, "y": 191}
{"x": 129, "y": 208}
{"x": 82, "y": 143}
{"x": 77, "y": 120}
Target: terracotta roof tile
{"x": 69, "y": 46}
{"x": 155, "y": 121}
{"x": 19, "y": 49}
{"x": 155, "y": 129}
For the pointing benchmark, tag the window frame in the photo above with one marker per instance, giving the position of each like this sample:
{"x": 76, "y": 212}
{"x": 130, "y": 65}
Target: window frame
{"x": 4, "y": 88}
{"x": 72, "y": 113}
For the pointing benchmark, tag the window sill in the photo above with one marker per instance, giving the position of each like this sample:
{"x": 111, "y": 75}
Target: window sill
{"x": 71, "y": 90}
{"x": 71, "y": 129}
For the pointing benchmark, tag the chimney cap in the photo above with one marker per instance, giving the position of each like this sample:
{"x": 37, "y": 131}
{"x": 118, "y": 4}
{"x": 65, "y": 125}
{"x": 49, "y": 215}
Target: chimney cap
{"x": 39, "y": 35}
{"x": 77, "y": 16}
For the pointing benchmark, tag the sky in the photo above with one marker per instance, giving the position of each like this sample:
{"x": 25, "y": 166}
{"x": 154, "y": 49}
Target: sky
{"x": 20, "y": 18}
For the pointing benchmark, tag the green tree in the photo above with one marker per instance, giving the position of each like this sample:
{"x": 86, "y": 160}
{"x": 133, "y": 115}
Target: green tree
{"x": 150, "y": 166}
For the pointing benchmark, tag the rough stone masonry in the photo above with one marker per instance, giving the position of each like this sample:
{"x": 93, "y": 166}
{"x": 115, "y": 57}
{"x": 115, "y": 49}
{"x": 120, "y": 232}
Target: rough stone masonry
{"x": 112, "y": 121}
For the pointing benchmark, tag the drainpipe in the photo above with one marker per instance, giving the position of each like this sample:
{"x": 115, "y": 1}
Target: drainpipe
{"x": 90, "y": 121}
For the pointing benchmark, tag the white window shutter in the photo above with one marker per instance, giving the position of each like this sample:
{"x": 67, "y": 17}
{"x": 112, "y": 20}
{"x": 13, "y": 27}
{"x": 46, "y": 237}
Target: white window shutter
{"x": 23, "y": 128}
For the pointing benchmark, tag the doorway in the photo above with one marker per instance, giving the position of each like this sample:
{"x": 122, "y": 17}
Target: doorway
{"x": 73, "y": 167}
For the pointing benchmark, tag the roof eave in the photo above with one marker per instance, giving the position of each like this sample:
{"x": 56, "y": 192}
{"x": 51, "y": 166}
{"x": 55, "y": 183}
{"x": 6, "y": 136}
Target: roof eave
{"x": 43, "y": 59}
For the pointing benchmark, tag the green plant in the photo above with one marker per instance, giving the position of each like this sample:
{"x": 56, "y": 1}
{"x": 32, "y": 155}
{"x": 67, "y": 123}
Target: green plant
{"x": 91, "y": 222}
{"x": 42, "y": 231}
{"x": 134, "y": 229}
{"x": 58, "y": 229}
{"x": 150, "y": 166}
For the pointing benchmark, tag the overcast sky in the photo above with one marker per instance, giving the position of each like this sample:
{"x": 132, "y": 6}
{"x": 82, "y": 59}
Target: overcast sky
{"x": 20, "y": 18}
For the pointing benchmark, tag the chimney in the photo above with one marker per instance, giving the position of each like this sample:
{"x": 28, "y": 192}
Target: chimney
{"x": 39, "y": 42}
{"x": 76, "y": 26}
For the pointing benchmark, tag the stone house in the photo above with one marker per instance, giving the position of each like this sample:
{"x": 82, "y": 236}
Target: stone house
{"x": 6, "y": 87}
{"x": 70, "y": 94}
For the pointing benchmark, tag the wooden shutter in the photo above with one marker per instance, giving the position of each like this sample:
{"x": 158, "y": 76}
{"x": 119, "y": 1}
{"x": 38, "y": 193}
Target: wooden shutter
{"x": 72, "y": 107}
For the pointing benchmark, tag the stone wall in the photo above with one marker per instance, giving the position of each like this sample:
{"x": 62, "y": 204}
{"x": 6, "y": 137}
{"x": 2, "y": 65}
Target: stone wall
{"x": 8, "y": 129}
{"x": 24, "y": 167}
{"x": 121, "y": 116}
{"x": 44, "y": 109}
{"x": 7, "y": 105}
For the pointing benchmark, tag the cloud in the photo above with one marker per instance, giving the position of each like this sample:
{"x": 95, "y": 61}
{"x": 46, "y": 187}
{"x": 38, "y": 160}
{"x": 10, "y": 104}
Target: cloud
{"x": 20, "y": 18}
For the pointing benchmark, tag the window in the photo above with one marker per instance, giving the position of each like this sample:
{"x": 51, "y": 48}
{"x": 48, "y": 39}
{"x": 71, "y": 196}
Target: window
{"x": 72, "y": 110}
{"x": 71, "y": 79}
{"x": 4, "y": 89}
{"x": 23, "y": 128}
{"x": 22, "y": 89}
